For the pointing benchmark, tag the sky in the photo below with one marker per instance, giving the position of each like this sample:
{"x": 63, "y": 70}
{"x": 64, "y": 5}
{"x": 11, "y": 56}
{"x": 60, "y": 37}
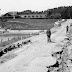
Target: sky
{"x": 34, "y": 5}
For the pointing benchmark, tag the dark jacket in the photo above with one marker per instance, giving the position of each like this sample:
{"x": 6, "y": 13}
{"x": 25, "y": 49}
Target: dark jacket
{"x": 48, "y": 32}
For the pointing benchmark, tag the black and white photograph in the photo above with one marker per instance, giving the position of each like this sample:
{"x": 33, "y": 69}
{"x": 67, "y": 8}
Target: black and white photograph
{"x": 35, "y": 35}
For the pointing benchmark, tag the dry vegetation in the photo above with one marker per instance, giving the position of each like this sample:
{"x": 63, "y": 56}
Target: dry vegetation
{"x": 26, "y": 24}
{"x": 7, "y": 57}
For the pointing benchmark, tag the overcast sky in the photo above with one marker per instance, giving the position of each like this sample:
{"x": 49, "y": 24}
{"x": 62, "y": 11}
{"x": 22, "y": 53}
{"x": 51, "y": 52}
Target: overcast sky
{"x": 34, "y": 5}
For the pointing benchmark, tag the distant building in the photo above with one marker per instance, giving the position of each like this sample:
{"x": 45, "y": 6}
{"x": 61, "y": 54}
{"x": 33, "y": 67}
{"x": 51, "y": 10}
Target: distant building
{"x": 13, "y": 14}
{"x": 10, "y": 15}
{"x": 25, "y": 14}
{"x": 33, "y": 16}
{"x": 7, "y": 15}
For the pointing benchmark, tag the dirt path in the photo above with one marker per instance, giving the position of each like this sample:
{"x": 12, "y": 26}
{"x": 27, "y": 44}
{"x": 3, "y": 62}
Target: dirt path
{"x": 36, "y": 56}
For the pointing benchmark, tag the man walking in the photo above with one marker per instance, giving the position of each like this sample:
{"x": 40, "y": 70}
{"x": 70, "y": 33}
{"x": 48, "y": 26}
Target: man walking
{"x": 48, "y": 32}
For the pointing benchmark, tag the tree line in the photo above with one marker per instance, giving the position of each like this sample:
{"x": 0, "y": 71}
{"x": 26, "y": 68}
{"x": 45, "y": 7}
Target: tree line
{"x": 63, "y": 12}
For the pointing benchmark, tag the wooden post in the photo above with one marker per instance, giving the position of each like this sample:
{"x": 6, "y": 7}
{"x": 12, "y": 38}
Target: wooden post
{"x": 18, "y": 37}
{"x": 14, "y": 37}
{"x": 8, "y": 39}
{"x": 1, "y": 40}
{"x": 21, "y": 37}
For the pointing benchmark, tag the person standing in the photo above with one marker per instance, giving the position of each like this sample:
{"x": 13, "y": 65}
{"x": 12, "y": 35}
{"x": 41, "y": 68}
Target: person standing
{"x": 67, "y": 29}
{"x": 48, "y": 32}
